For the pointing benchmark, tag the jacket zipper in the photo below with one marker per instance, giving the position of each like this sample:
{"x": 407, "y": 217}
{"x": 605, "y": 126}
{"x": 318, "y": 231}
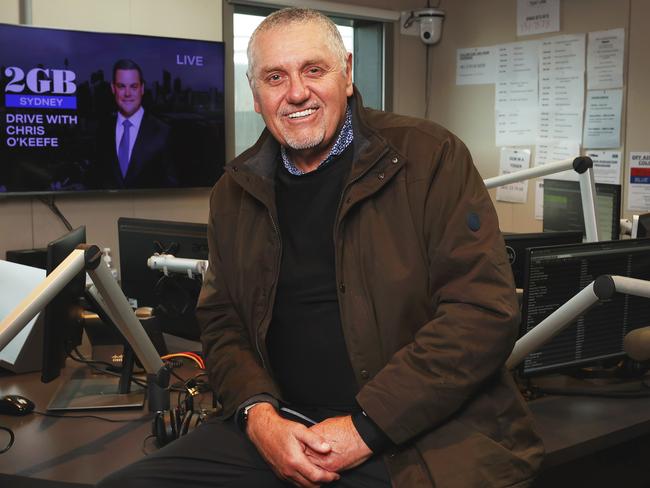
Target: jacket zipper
{"x": 277, "y": 274}
{"x": 345, "y": 189}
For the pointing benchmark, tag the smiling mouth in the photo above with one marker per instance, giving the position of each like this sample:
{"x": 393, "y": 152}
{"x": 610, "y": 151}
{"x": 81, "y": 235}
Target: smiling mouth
{"x": 302, "y": 113}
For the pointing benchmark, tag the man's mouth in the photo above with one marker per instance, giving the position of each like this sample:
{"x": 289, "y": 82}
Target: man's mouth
{"x": 302, "y": 113}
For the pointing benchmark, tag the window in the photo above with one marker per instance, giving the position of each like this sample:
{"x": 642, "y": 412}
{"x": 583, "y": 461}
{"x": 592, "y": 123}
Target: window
{"x": 364, "y": 39}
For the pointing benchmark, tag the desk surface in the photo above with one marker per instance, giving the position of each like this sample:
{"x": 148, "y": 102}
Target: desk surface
{"x": 85, "y": 450}
{"x": 573, "y": 427}
{"x": 71, "y": 450}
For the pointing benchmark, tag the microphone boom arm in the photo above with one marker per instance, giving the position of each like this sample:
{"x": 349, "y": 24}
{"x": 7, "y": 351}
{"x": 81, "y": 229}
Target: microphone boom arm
{"x": 601, "y": 288}
{"x": 113, "y": 302}
{"x": 582, "y": 165}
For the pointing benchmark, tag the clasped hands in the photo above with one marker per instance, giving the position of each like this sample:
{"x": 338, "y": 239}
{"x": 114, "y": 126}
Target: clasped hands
{"x": 306, "y": 457}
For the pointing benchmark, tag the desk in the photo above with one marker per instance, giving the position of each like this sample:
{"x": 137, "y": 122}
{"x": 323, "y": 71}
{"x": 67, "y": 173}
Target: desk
{"x": 79, "y": 452}
{"x": 58, "y": 452}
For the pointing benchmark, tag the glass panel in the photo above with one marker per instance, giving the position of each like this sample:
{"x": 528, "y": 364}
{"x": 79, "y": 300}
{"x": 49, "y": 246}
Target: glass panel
{"x": 248, "y": 124}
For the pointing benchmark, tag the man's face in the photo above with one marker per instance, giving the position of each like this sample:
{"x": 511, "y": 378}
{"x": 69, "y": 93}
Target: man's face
{"x": 300, "y": 90}
{"x": 128, "y": 90}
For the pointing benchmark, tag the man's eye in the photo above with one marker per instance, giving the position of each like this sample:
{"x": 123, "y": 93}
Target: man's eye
{"x": 314, "y": 70}
{"x": 274, "y": 78}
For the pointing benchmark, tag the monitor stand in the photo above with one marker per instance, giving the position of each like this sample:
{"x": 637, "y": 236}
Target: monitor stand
{"x": 80, "y": 392}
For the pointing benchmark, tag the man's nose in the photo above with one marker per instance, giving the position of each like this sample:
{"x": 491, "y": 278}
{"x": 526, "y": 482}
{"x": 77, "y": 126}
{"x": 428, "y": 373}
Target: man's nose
{"x": 298, "y": 90}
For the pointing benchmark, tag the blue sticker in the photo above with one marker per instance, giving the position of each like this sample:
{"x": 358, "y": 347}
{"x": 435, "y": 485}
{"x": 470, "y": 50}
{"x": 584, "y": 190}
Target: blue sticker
{"x": 473, "y": 221}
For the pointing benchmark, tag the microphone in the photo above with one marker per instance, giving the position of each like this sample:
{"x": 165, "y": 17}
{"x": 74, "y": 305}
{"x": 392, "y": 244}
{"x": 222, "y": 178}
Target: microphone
{"x": 636, "y": 344}
{"x": 169, "y": 263}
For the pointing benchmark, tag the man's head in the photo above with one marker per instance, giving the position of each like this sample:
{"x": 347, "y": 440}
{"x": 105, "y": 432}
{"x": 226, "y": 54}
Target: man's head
{"x": 127, "y": 86}
{"x": 301, "y": 76}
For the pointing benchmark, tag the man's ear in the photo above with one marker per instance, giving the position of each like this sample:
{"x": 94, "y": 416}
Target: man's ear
{"x": 348, "y": 76}
{"x": 256, "y": 104}
{"x": 113, "y": 88}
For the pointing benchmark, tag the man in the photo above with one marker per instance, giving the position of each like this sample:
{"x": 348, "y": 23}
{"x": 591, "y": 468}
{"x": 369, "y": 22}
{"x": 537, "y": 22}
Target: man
{"x": 132, "y": 146}
{"x": 358, "y": 307}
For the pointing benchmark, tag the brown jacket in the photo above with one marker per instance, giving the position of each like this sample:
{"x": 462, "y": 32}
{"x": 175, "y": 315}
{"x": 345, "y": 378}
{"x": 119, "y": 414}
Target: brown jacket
{"x": 426, "y": 295}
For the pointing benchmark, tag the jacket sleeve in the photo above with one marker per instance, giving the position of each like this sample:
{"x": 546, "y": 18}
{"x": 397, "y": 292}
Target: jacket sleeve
{"x": 474, "y": 309}
{"x": 234, "y": 366}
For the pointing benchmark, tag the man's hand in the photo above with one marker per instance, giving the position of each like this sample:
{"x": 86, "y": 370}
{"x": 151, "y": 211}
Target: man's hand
{"x": 347, "y": 448}
{"x": 283, "y": 444}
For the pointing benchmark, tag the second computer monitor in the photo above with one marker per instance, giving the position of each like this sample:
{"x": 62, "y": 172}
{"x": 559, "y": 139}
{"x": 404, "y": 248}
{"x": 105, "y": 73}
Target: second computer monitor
{"x": 62, "y": 325}
{"x": 173, "y": 297}
{"x": 563, "y": 208}
{"x": 556, "y": 274}
{"x": 516, "y": 245}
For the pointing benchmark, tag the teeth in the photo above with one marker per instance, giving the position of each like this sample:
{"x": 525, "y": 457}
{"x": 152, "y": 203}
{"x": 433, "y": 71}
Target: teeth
{"x": 304, "y": 113}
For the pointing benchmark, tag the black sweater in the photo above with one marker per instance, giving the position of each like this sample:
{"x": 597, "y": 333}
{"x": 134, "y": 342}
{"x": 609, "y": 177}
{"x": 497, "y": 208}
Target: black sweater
{"x": 305, "y": 340}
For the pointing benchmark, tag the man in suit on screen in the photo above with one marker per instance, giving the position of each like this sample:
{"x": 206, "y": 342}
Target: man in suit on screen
{"x": 133, "y": 148}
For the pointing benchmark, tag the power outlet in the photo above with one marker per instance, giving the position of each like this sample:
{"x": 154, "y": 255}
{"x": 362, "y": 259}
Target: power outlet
{"x": 413, "y": 29}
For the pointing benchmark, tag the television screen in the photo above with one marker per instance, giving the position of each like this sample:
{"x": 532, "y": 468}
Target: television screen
{"x": 86, "y": 111}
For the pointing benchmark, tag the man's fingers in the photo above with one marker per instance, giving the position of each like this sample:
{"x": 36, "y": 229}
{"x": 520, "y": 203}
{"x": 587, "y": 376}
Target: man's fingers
{"x": 307, "y": 474}
{"x": 313, "y": 441}
{"x": 326, "y": 462}
{"x": 314, "y": 475}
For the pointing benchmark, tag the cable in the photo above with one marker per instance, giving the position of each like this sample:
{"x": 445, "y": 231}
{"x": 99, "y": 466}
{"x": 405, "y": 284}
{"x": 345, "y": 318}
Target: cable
{"x": 191, "y": 355}
{"x": 12, "y": 437}
{"x": 49, "y": 203}
{"x": 92, "y": 365}
{"x": 96, "y": 417}
{"x": 427, "y": 78}
{"x": 81, "y": 359}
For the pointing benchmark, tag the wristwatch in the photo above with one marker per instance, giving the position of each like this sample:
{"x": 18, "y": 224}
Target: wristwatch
{"x": 243, "y": 415}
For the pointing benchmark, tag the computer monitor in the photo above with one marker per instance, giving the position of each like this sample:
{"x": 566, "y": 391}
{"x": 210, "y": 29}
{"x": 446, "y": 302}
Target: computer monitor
{"x": 563, "y": 208}
{"x": 62, "y": 324}
{"x": 62, "y": 332}
{"x": 553, "y": 275}
{"x": 643, "y": 229}
{"x": 517, "y": 244}
{"x": 173, "y": 297}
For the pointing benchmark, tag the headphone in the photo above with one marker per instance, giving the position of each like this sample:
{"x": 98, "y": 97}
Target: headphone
{"x": 171, "y": 424}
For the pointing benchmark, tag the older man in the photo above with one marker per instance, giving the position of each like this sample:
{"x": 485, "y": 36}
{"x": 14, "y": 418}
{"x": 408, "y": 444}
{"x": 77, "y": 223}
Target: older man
{"x": 358, "y": 307}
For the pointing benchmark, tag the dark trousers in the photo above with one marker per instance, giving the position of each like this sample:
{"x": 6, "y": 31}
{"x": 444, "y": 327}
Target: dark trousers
{"x": 218, "y": 454}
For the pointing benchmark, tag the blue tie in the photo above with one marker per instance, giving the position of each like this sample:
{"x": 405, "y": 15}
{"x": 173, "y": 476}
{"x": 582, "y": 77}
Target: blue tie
{"x": 123, "y": 148}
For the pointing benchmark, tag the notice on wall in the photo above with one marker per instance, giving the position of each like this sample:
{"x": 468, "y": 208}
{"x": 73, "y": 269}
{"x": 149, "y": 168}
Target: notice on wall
{"x": 513, "y": 160}
{"x": 603, "y": 119}
{"x": 639, "y": 190}
{"x": 517, "y": 76}
{"x": 561, "y": 88}
{"x": 605, "y": 59}
{"x": 562, "y": 92}
{"x": 516, "y": 93}
{"x": 537, "y": 16}
{"x": 559, "y": 127}
{"x": 516, "y": 127}
{"x": 476, "y": 66}
{"x": 562, "y": 54}
{"x": 607, "y": 166}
